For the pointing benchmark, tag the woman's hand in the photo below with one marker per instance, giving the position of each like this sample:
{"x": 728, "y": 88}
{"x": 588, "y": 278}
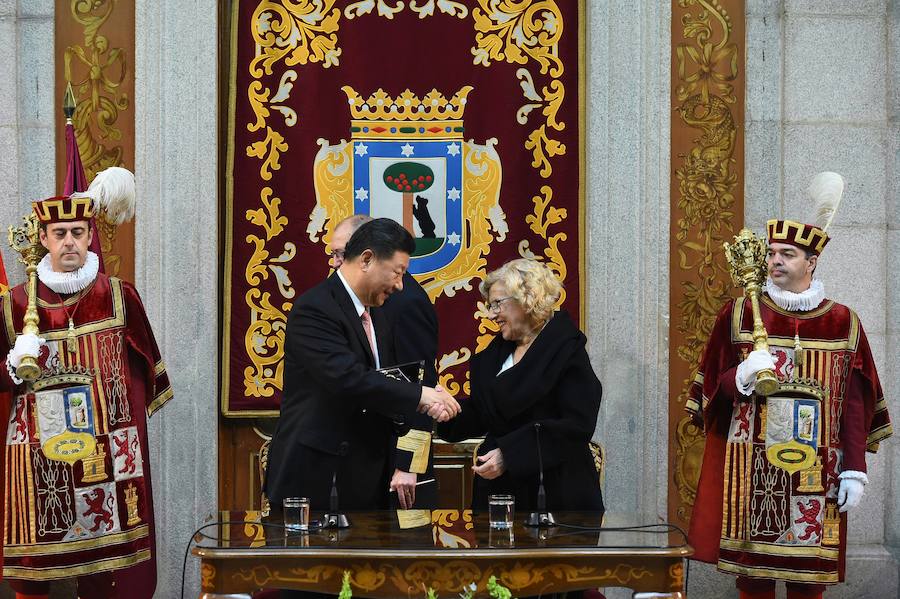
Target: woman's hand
{"x": 490, "y": 465}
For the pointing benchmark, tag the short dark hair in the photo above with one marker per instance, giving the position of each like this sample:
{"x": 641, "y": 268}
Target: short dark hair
{"x": 383, "y": 236}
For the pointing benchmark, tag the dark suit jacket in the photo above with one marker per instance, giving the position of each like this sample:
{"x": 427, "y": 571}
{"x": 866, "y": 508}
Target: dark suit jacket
{"x": 415, "y": 325}
{"x": 338, "y": 414}
{"x": 553, "y": 384}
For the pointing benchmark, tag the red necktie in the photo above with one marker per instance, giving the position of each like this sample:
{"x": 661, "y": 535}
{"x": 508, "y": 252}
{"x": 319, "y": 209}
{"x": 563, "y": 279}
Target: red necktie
{"x": 367, "y": 327}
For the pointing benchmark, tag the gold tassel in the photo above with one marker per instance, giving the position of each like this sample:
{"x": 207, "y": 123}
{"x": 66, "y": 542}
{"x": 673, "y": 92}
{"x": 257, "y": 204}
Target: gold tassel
{"x": 798, "y": 355}
{"x": 71, "y": 343}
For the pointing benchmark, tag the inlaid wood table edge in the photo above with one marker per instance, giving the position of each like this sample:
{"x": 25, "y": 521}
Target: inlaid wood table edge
{"x": 382, "y": 573}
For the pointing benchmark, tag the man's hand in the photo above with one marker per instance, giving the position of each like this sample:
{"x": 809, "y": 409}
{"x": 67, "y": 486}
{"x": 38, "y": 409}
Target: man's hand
{"x": 745, "y": 375}
{"x": 438, "y": 403}
{"x": 405, "y": 485}
{"x": 490, "y": 465}
{"x": 27, "y": 344}
{"x": 852, "y": 488}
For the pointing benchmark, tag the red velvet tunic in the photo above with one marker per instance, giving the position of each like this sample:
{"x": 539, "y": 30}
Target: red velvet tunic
{"x": 78, "y": 498}
{"x": 766, "y": 505}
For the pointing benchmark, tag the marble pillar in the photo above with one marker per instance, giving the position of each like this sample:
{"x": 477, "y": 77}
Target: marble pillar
{"x": 177, "y": 262}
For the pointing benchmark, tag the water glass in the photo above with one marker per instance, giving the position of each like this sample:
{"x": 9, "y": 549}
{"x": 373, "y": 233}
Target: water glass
{"x": 501, "y": 538}
{"x": 296, "y": 513}
{"x": 501, "y": 511}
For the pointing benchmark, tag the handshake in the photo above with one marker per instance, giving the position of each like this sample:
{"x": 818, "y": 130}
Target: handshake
{"x": 438, "y": 403}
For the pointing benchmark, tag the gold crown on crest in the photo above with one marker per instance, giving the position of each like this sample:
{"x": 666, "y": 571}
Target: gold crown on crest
{"x": 407, "y": 106}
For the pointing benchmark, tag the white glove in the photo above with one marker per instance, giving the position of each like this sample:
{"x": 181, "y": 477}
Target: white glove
{"x": 26, "y": 345}
{"x": 745, "y": 376}
{"x": 853, "y": 484}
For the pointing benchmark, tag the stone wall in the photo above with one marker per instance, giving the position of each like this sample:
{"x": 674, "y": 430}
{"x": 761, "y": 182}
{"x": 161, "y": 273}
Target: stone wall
{"x": 27, "y": 106}
{"x": 177, "y": 262}
{"x": 823, "y": 92}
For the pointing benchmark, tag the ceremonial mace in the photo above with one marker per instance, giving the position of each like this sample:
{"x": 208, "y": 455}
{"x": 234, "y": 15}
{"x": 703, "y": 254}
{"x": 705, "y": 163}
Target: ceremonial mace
{"x": 747, "y": 259}
{"x": 26, "y": 241}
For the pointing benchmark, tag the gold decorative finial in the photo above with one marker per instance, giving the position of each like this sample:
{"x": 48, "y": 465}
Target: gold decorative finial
{"x": 26, "y": 241}
{"x": 69, "y": 103}
{"x": 747, "y": 259}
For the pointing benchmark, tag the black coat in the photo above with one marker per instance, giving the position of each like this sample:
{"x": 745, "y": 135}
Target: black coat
{"x": 555, "y": 385}
{"x": 338, "y": 414}
{"x": 415, "y": 325}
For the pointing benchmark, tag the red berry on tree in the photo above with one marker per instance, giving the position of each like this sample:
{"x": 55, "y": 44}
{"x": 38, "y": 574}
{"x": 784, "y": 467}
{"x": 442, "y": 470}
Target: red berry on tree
{"x": 408, "y": 188}
{"x": 389, "y": 178}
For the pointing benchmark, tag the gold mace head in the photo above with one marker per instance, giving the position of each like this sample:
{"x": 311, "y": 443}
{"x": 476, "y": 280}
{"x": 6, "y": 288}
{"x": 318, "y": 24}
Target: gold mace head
{"x": 26, "y": 239}
{"x": 746, "y": 257}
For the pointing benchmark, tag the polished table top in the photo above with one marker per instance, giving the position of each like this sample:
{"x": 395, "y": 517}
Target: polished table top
{"x": 443, "y": 532}
{"x": 448, "y": 551}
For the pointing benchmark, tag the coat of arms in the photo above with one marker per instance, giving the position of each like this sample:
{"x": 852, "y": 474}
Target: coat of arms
{"x": 407, "y": 160}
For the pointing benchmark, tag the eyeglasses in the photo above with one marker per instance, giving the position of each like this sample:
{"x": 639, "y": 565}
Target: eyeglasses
{"x": 497, "y": 305}
{"x": 337, "y": 254}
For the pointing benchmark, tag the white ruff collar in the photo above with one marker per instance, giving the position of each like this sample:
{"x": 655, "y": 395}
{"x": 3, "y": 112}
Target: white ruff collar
{"x": 69, "y": 282}
{"x": 796, "y": 302}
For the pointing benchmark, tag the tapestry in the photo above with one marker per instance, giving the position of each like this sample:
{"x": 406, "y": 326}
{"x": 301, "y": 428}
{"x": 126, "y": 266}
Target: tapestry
{"x": 463, "y": 121}
{"x": 94, "y": 43}
{"x": 707, "y": 209}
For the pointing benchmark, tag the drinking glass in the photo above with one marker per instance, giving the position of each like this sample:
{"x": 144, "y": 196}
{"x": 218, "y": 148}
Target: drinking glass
{"x": 501, "y": 511}
{"x": 296, "y": 513}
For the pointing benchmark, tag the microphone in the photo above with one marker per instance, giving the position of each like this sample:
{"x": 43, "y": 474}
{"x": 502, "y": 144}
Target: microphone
{"x": 334, "y": 518}
{"x": 540, "y": 518}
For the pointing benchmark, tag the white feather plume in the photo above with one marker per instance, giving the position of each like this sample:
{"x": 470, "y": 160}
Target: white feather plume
{"x": 113, "y": 192}
{"x": 825, "y": 190}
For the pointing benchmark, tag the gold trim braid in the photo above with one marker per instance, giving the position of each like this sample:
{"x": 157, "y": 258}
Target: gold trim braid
{"x": 70, "y": 546}
{"x": 419, "y": 443}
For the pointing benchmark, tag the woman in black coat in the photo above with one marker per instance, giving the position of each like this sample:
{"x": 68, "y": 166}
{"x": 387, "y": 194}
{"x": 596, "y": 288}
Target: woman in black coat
{"x": 535, "y": 371}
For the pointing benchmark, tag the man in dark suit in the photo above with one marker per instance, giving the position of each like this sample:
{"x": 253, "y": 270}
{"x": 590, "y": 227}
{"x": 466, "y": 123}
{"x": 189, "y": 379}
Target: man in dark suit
{"x": 338, "y": 414}
{"x": 415, "y": 325}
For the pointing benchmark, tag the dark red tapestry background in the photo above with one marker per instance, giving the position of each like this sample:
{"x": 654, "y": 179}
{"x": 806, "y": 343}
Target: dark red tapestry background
{"x": 270, "y": 257}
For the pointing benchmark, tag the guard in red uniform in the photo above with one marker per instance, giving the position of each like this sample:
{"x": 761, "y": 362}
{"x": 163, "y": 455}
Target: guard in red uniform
{"x": 780, "y": 472}
{"x": 78, "y": 502}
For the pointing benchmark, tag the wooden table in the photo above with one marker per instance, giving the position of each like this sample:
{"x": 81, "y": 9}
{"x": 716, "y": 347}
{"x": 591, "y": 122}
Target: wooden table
{"x": 243, "y": 553}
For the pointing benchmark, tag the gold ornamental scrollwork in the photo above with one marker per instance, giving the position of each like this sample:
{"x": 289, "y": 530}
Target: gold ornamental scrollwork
{"x": 676, "y": 575}
{"x": 525, "y": 32}
{"x": 296, "y": 33}
{"x": 442, "y": 577}
{"x": 452, "y": 576}
{"x": 520, "y": 32}
{"x": 266, "y": 576}
{"x": 98, "y": 74}
{"x": 689, "y": 443}
{"x": 526, "y": 576}
{"x": 388, "y": 10}
{"x": 707, "y": 180}
{"x": 447, "y": 379}
{"x": 207, "y": 577}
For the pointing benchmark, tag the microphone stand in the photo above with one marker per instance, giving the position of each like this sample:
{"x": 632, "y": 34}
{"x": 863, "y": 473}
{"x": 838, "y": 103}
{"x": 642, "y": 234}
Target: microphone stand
{"x": 334, "y": 518}
{"x": 540, "y": 518}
